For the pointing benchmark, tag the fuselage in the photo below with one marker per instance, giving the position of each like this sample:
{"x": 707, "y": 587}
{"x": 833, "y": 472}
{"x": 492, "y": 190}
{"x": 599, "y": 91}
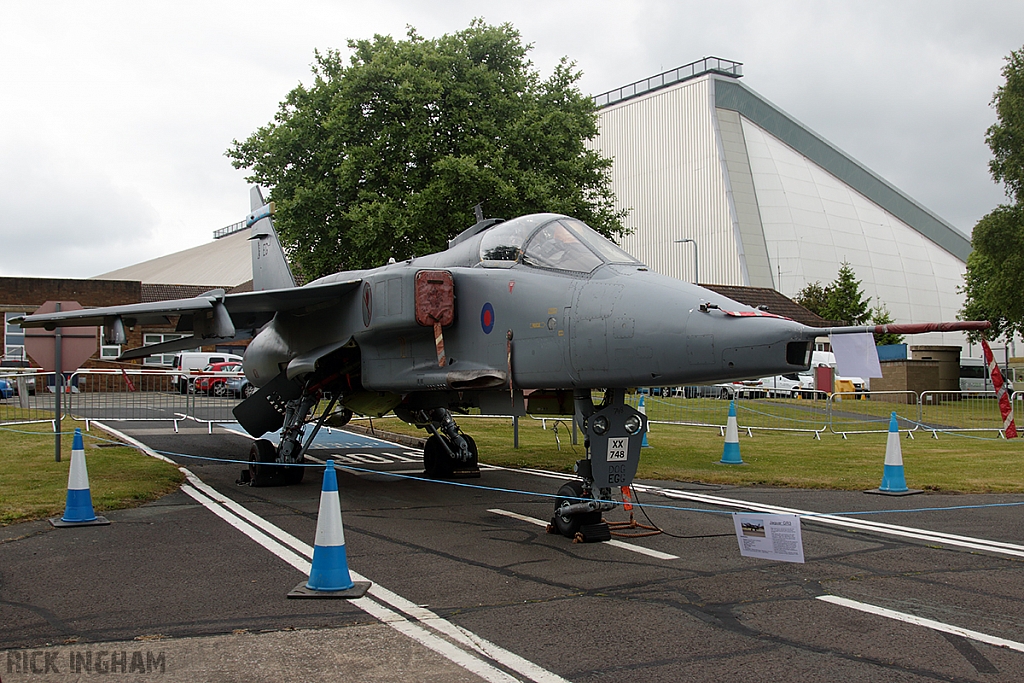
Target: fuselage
{"x": 602, "y": 320}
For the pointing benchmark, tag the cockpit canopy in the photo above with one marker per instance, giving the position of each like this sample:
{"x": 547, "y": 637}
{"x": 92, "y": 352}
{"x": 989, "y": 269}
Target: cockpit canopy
{"x": 549, "y": 241}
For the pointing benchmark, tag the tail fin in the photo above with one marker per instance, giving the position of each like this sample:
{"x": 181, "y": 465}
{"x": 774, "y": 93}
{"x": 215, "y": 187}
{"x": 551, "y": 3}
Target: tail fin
{"x": 269, "y": 266}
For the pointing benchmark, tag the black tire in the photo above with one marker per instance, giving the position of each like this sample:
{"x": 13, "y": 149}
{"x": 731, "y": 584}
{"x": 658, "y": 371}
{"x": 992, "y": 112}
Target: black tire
{"x": 293, "y": 474}
{"x": 437, "y": 463}
{"x": 248, "y": 390}
{"x": 219, "y": 389}
{"x": 262, "y": 454}
{"x": 567, "y": 495}
{"x": 182, "y": 386}
{"x": 474, "y": 455}
{"x": 724, "y": 395}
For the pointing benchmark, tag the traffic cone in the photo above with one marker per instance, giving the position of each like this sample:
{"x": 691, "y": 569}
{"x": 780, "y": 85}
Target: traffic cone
{"x": 329, "y": 576}
{"x": 893, "y": 481}
{"x": 642, "y": 409}
{"x": 78, "y": 508}
{"x": 731, "y": 451}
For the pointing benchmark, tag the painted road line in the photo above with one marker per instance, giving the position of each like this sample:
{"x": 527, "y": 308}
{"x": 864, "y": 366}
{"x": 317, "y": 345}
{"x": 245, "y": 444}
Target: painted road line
{"x": 921, "y": 621}
{"x": 616, "y": 543}
{"x": 969, "y": 542}
{"x": 391, "y": 618}
{"x": 334, "y": 438}
{"x": 997, "y": 547}
{"x": 254, "y": 526}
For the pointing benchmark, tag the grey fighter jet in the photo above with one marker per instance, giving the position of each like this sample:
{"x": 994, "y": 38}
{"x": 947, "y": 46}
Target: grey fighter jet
{"x": 525, "y": 315}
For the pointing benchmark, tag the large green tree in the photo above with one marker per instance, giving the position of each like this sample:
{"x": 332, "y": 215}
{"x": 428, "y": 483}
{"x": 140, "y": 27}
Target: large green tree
{"x": 994, "y": 281}
{"x": 841, "y": 300}
{"x": 813, "y": 297}
{"x": 387, "y": 156}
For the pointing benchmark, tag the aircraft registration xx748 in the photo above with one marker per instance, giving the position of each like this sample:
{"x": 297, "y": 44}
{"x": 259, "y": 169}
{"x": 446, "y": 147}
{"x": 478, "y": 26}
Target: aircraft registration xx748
{"x": 530, "y": 314}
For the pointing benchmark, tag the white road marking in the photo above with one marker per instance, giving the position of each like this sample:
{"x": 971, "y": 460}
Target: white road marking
{"x": 997, "y": 547}
{"x": 387, "y": 616}
{"x": 921, "y": 621}
{"x": 618, "y": 544}
{"x": 260, "y": 530}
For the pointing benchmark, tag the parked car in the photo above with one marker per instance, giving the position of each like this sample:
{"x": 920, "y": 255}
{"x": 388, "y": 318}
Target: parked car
{"x": 240, "y": 387}
{"x": 212, "y": 385}
{"x": 191, "y": 361}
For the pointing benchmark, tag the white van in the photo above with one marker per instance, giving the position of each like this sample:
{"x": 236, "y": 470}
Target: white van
{"x": 196, "y": 360}
{"x": 974, "y": 376}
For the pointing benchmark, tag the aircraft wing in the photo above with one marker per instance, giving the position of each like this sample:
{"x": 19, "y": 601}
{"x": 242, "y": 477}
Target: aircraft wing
{"x": 240, "y": 306}
{"x": 211, "y": 317}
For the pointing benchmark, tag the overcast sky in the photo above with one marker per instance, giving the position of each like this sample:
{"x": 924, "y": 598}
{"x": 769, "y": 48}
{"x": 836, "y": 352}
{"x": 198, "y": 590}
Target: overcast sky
{"x": 114, "y": 116}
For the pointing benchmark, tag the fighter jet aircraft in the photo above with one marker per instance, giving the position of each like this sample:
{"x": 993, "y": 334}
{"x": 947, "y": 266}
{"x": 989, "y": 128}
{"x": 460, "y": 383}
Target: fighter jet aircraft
{"x": 533, "y": 313}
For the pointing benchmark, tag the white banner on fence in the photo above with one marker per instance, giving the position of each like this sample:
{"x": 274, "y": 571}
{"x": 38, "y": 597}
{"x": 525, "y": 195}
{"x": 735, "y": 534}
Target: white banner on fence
{"x": 770, "y": 537}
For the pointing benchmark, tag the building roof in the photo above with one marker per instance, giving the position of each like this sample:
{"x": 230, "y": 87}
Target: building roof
{"x": 224, "y": 262}
{"x": 772, "y": 301}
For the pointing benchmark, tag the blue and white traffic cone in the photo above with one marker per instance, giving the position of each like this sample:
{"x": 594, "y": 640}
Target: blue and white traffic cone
{"x": 731, "y": 451}
{"x": 893, "y": 481}
{"x": 642, "y": 409}
{"x": 329, "y": 576}
{"x": 78, "y": 508}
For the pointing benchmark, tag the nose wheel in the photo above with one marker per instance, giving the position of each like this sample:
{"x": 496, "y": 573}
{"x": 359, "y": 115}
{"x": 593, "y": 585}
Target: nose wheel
{"x": 264, "y": 469}
{"x": 569, "y": 525}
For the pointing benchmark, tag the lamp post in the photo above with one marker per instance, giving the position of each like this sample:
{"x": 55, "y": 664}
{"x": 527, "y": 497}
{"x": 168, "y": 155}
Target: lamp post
{"x": 696, "y": 276}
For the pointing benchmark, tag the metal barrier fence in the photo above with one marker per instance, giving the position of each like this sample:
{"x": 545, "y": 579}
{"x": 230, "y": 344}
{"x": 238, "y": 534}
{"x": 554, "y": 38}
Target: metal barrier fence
{"x": 119, "y": 396}
{"x": 26, "y": 397}
{"x": 147, "y": 395}
{"x": 960, "y": 411}
{"x": 868, "y": 412}
{"x": 754, "y": 410}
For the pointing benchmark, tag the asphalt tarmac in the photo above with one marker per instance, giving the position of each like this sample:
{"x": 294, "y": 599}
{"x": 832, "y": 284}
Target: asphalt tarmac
{"x": 467, "y": 584}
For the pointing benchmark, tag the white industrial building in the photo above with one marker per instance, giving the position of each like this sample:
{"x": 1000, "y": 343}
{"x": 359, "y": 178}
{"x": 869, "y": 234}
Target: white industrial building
{"x": 765, "y": 201}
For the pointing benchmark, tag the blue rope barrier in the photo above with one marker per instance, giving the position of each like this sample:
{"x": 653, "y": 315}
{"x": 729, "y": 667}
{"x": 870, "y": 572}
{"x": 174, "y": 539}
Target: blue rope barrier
{"x": 653, "y": 506}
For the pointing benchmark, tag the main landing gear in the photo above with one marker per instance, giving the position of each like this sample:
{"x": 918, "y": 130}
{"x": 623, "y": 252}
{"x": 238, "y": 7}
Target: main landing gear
{"x": 448, "y": 452}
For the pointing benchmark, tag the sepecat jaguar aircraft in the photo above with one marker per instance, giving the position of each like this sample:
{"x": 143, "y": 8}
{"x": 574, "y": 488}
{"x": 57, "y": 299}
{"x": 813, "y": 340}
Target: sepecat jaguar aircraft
{"x": 526, "y": 315}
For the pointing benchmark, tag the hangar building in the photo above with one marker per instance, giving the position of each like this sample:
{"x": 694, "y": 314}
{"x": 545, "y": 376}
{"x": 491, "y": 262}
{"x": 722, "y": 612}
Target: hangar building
{"x": 766, "y": 202}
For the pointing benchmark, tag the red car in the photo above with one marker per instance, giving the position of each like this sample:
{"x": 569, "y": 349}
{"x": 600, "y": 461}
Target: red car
{"x": 215, "y": 386}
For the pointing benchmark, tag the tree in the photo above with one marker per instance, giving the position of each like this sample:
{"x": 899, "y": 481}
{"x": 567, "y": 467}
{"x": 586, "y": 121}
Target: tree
{"x": 844, "y": 299}
{"x": 995, "y": 268}
{"x": 388, "y": 155}
{"x": 880, "y": 316}
{"x": 813, "y": 297}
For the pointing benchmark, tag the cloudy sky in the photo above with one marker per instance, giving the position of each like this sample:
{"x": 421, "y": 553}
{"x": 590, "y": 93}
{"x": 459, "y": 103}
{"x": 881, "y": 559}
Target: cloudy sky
{"x": 114, "y": 116}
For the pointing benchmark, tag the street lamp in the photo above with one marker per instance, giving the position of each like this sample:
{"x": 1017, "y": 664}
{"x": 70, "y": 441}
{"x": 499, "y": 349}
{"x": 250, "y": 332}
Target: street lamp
{"x": 696, "y": 277}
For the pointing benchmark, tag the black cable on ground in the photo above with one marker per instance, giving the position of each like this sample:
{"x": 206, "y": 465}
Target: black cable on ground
{"x": 650, "y": 521}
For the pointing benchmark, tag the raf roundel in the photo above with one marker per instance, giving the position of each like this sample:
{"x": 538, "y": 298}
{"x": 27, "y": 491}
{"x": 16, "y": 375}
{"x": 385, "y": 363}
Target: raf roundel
{"x": 487, "y": 318}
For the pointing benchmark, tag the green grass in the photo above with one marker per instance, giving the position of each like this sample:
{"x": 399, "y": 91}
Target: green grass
{"x": 33, "y": 485}
{"x": 793, "y": 459}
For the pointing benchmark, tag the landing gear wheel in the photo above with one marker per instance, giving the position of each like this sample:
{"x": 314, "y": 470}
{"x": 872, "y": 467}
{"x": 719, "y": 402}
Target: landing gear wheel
{"x": 262, "y": 470}
{"x": 437, "y": 463}
{"x": 474, "y": 455}
{"x": 568, "y": 495}
{"x": 293, "y": 474}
